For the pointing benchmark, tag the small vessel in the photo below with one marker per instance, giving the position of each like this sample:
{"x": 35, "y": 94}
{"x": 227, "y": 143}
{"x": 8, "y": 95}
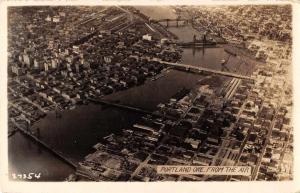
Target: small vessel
{"x": 157, "y": 77}
{"x": 223, "y": 61}
{"x": 72, "y": 107}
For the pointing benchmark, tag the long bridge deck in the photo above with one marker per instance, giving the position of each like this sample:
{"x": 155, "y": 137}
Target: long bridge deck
{"x": 176, "y": 19}
{"x": 169, "y": 21}
{"x": 201, "y": 69}
{"x": 130, "y": 108}
{"x": 196, "y": 44}
{"x": 62, "y": 157}
{"x": 135, "y": 109}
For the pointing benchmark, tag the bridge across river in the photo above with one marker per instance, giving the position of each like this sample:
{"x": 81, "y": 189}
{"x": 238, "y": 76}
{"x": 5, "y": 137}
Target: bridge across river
{"x": 58, "y": 154}
{"x": 196, "y": 44}
{"x": 130, "y": 108}
{"x": 201, "y": 69}
{"x": 169, "y": 21}
{"x": 135, "y": 109}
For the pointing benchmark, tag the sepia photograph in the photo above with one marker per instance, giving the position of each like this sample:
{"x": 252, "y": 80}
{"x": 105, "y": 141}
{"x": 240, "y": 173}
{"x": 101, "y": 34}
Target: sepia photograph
{"x": 150, "y": 93}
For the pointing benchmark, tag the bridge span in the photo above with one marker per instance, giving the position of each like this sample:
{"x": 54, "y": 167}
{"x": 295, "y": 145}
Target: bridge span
{"x": 177, "y": 19}
{"x": 104, "y": 102}
{"x": 130, "y": 108}
{"x": 196, "y": 44}
{"x": 45, "y": 145}
{"x": 198, "y": 69}
{"x": 169, "y": 21}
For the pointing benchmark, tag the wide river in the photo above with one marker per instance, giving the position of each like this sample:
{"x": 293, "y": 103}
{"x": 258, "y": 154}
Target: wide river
{"x": 78, "y": 130}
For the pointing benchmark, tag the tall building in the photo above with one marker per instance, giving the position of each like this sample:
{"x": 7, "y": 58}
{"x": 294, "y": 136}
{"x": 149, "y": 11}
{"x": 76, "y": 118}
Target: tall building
{"x": 46, "y": 66}
{"x": 77, "y": 67}
{"x": 54, "y": 63}
{"x": 27, "y": 60}
{"x": 36, "y": 64}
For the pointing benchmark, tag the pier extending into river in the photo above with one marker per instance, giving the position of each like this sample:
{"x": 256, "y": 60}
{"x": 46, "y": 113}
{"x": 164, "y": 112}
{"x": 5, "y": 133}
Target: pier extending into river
{"x": 58, "y": 154}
